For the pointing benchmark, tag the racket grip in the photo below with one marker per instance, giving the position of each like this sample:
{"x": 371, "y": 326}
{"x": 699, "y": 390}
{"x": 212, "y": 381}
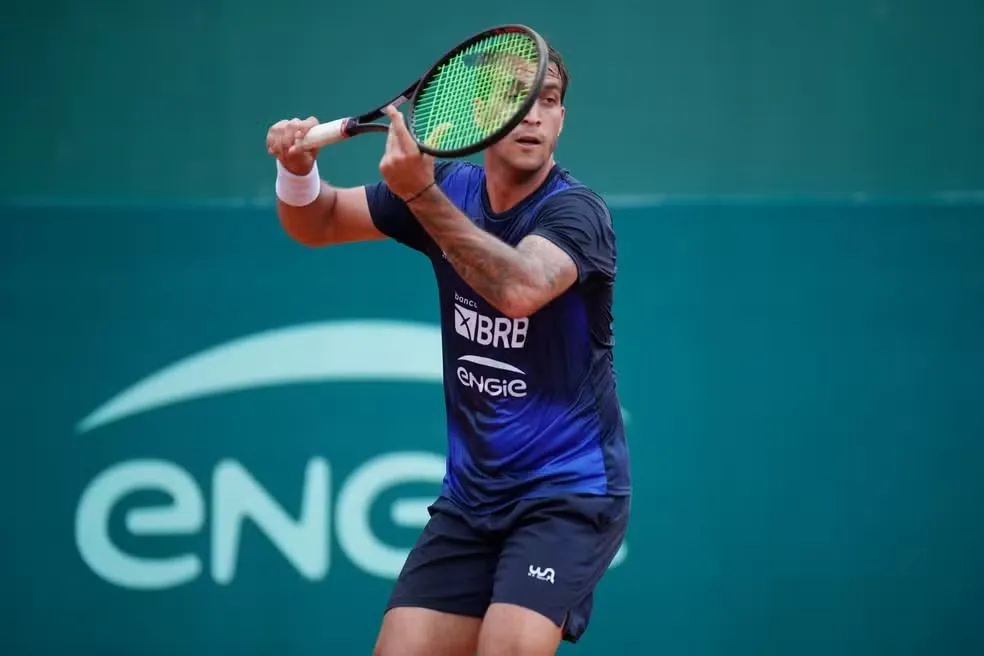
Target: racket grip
{"x": 324, "y": 134}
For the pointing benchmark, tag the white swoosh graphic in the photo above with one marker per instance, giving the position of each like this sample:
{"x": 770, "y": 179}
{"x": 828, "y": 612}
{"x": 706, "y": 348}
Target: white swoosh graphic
{"x": 332, "y": 351}
{"x": 373, "y": 350}
{"x": 489, "y": 362}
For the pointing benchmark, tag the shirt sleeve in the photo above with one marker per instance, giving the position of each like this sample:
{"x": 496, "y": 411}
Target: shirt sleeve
{"x": 393, "y": 218}
{"x": 578, "y": 222}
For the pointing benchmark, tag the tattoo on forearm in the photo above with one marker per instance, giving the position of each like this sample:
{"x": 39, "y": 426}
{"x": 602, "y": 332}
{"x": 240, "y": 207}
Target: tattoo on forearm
{"x": 486, "y": 268}
{"x": 493, "y": 268}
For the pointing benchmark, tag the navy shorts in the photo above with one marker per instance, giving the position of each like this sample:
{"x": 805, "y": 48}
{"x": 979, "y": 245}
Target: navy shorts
{"x": 543, "y": 554}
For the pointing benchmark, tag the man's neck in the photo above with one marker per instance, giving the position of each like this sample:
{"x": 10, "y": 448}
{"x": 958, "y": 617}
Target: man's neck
{"x": 506, "y": 190}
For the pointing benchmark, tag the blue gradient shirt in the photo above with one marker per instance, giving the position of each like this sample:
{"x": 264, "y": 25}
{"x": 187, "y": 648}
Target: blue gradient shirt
{"x": 532, "y": 407}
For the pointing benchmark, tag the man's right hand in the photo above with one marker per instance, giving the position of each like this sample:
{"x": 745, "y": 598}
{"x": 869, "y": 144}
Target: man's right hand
{"x": 283, "y": 142}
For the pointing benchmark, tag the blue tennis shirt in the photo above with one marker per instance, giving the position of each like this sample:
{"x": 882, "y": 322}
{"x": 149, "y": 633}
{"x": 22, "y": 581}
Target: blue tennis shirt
{"x": 532, "y": 406}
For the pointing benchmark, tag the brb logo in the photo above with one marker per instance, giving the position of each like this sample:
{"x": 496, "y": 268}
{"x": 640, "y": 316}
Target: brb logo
{"x": 500, "y": 332}
{"x": 493, "y": 377}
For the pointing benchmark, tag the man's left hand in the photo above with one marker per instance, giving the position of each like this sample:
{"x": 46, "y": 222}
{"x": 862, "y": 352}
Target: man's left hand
{"x": 405, "y": 169}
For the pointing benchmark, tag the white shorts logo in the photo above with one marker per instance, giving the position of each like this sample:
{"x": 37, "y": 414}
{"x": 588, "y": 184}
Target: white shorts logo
{"x": 500, "y": 332}
{"x": 542, "y": 574}
{"x": 494, "y": 385}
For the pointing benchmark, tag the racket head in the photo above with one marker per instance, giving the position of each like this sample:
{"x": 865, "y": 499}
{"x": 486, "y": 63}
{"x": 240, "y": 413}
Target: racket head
{"x": 478, "y": 92}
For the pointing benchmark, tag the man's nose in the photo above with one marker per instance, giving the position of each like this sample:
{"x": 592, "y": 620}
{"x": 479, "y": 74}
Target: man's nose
{"x": 533, "y": 116}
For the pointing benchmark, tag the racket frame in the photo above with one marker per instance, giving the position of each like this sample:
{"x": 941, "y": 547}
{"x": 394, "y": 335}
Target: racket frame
{"x": 543, "y": 64}
{"x": 340, "y": 129}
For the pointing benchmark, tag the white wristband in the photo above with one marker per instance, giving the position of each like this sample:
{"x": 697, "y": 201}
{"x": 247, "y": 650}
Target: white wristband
{"x": 298, "y": 190}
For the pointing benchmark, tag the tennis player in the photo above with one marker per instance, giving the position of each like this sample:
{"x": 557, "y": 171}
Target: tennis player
{"x": 535, "y": 501}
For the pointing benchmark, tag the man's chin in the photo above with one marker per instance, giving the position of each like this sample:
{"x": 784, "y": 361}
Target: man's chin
{"x": 528, "y": 162}
{"x": 522, "y": 160}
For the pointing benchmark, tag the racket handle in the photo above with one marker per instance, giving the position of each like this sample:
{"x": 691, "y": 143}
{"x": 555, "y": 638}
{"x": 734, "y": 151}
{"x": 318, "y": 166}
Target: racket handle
{"x": 324, "y": 134}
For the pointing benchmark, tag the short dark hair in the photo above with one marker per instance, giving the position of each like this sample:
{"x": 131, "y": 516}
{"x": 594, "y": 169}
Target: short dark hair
{"x": 565, "y": 76}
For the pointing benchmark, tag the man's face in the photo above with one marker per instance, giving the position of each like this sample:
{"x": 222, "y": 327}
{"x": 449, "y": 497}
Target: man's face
{"x": 531, "y": 144}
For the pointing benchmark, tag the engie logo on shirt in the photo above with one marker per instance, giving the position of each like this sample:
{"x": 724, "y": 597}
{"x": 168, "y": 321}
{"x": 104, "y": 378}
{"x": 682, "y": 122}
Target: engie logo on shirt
{"x": 493, "y": 378}
{"x": 498, "y": 332}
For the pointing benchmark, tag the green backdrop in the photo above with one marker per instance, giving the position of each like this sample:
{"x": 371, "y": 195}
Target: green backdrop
{"x": 802, "y": 385}
{"x": 218, "y": 441}
{"x": 112, "y": 99}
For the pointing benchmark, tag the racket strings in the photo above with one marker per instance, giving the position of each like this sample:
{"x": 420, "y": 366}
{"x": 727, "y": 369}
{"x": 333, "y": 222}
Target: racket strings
{"x": 477, "y": 91}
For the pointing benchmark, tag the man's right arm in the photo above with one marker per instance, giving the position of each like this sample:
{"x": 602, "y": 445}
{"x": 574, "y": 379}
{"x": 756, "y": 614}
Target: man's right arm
{"x": 312, "y": 211}
{"x": 315, "y": 213}
{"x": 337, "y": 216}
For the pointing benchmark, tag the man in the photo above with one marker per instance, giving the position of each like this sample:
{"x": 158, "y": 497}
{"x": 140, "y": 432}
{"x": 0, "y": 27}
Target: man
{"x": 535, "y": 501}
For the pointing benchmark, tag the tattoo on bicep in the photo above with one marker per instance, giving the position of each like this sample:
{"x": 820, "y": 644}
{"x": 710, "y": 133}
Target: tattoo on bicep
{"x": 554, "y": 265}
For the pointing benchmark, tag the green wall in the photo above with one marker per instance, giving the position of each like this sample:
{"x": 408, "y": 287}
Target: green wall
{"x": 107, "y": 99}
{"x": 802, "y": 384}
{"x": 799, "y": 316}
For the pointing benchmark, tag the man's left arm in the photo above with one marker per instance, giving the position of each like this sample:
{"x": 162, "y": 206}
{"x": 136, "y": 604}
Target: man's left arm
{"x": 571, "y": 240}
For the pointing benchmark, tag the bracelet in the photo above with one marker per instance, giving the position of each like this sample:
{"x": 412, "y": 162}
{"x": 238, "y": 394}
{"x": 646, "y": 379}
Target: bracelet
{"x": 298, "y": 190}
{"x": 419, "y": 193}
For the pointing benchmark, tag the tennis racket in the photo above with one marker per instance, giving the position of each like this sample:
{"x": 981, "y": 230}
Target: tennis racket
{"x": 472, "y": 97}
